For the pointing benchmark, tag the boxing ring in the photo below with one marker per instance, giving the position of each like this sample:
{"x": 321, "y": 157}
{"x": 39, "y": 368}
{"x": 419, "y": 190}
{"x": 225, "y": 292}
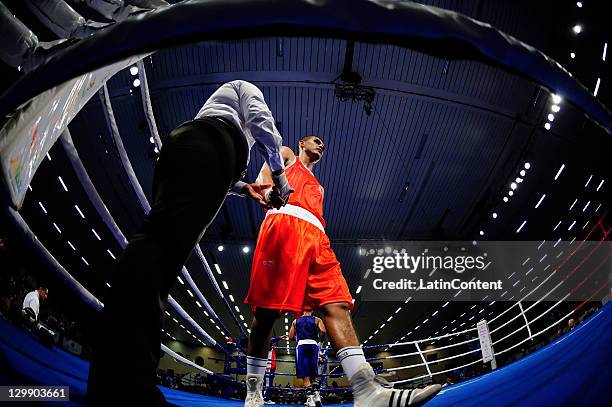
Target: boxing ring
{"x": 549, "y": 376}
{"x": 55, "y": 92}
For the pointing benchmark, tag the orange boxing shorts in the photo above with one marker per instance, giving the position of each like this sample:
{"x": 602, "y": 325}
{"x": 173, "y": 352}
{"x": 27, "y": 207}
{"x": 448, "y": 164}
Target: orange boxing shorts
{"x": 294, "y": 267}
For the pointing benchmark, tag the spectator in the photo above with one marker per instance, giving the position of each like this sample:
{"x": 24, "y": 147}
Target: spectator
{"x": 31, "y": 303}
{"x": 571, "y": 324}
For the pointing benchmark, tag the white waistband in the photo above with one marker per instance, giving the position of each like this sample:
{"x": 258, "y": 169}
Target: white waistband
{"x": 307, "y": 342}
{"x": 298, "y": 212}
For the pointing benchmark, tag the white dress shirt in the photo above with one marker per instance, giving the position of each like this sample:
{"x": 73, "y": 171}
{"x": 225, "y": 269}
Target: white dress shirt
{"x": 243, "y": 104}
{"x": 32, "y": 301}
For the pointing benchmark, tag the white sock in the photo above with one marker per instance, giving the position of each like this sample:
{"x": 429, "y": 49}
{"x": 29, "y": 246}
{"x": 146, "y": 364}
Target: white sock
{"x": 351, "y": 358}
{"x": 256, "y": 366}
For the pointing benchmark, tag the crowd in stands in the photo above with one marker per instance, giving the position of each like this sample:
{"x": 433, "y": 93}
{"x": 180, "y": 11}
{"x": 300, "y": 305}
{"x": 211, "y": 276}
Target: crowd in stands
{"x": 15, "y": 283}
{"x": 209, "y": 385}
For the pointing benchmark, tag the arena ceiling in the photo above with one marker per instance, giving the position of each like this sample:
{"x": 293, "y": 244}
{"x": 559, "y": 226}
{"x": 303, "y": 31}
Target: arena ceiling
{"x": 428, "y": 158}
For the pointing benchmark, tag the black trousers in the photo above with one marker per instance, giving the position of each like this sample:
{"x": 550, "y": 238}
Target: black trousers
{"x": 198, "y": 164}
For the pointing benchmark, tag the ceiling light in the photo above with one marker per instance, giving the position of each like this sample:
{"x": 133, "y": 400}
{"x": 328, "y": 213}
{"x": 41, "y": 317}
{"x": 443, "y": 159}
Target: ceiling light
{"x": 556, "y": 98}
{"x": 572, "y": 55}
{"x": 513, "y": 185}
{"x": 494, "y": 215}
{"x": 510, "y": 193}
{"x": 220, "y": 248}
{"x": 527, "y": 165}
{"x": 547, "y": 126}
{"x": 246, "y": 249}
{"x": 63, "y": 185}
{"x": 505, "y": 199}
{"x": 555, "y": 108}
{"x": 577, "y": 29}
{"x": 560, "y": 171}
{"x": 518, "y": 180}
{"x": 579, "y": 4}
{"x": 551, "y": 117}
{"x": 134, "y": 70}
{"x": 136, "y": 82}
{"x": 481, "y": 233}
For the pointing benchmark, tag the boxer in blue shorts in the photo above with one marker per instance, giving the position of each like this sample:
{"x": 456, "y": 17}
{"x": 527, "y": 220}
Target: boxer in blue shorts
{"x": 307, "y": 331}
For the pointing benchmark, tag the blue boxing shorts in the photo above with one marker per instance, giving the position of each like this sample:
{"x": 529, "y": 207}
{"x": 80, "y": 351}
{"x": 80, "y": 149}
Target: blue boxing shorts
{"x": 307, "y": 361}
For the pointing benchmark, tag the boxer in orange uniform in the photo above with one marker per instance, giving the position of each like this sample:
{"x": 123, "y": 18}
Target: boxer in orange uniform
{"x": 295, "y": 269}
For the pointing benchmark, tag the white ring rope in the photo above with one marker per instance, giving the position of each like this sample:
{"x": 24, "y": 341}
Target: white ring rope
{"x": 435, "y": 338}
{"x": 535, "y": 319}
{"x": 146, "y": 103}
{"x": 432, "y": 350}
{"x": 536, "y": 288}
{"x": 536, "y": 334}
{"x": 536, "y": 303}
{"x": 191, "y": 321}
{"x": 393, "y": 369}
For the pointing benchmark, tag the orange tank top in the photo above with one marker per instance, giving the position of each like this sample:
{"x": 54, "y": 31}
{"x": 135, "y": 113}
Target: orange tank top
{"x": 308, "y": 192}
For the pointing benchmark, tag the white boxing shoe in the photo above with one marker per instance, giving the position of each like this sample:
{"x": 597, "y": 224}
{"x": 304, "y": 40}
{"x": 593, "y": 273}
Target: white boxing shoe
{"x": 254, "y": 397}
{"x": 317, "y": 399}
{"x": 310, "y": 401}
{"x": 372, "y": 391}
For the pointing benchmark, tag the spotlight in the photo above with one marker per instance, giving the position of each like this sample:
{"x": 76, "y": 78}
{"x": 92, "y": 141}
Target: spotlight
{"x": 556, "y": 99}
{"x": 134, "y": 70}
{"x": 136, "y": 82}
{"x": 220, "y": 248}
{"x": 522, "y": 173}
{"x": 527, "y": 166}
{"x": 572, "y": 55}
{"x": 577, "y": 29}
{"x": 547, "y": 126}
{"x": 494, "y": 215}
{"x": 505, "y": 199}
{"x": 551, "y": 117}
{"x": 510, "y": 193}
{"x": 246, "y": 249}
{"x": 555, "y": 108}
{"x": 513, "y": 185}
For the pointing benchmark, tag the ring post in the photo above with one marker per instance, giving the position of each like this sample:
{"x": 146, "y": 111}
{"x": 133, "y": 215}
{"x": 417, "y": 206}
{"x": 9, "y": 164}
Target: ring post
{"x": 485, "y": 344}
